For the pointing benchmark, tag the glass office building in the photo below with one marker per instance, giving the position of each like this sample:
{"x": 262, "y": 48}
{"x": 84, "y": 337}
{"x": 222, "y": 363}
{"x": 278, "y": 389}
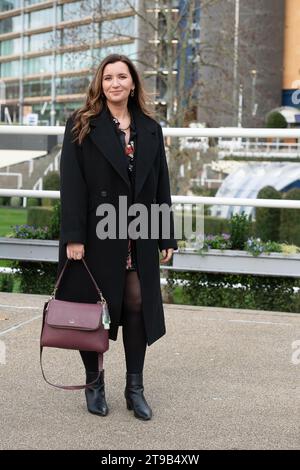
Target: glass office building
{"x": 49, "y": 51}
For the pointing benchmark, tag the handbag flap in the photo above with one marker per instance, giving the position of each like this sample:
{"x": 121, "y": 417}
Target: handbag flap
{"x": 73, "y": 315}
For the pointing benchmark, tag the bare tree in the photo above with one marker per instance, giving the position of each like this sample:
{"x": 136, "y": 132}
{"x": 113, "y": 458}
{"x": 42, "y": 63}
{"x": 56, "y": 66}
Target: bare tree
{"x": 194, "y": 72}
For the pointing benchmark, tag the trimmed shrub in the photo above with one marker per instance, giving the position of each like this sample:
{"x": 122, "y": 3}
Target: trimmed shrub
{"x": 234, "y": 291}
{"x": 55, "y": 221}
{"x": 4, "y": 200}
{"x": 35, "y": 277}
{"x": 267, "y": 225}
{"x": 276, "y": 120}
{"x": 6, "y": 282}
{"x": 34, "y": 202}
{"x": 39, "y": 216}
{"x": 216, "y": 225}
{"x": 15, "y": 201}
{"x": 51, "y": 182}
{"x": 290, "y": 220}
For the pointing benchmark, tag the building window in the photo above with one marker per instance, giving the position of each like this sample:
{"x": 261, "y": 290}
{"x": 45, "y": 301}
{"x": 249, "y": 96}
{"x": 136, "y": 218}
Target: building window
{"x": 37, "y": 88}
{"x": 32, "y": 2}
{"x": 39, "y": 42}
{"x": 74, "y": 11}
{"x": 125, "y": 49}
{"x": 7, "y": 25}
{"x": 12, "y": 90}
{"x": 10, "y": 69}
{"x": 110, "y": 6}
{"x": 73, "y": 61}
{"x": 118, "y": 28}
{"x": 36, "y": 19}
{"x": 37, "y": 65}
{"x": 10, "y": 47}
{"x": 72, "y": 85}
{"x": 80, "y": 35}
{"x": 6, "y": 5}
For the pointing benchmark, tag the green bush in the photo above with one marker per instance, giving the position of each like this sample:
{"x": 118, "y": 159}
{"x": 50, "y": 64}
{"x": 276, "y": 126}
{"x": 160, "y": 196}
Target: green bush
{"x": 267, "y": 225}
{"x": 15, "y": 201}
{"x": 35, "y": 277}
{"x": 55, "y": 221}
{"x": 240, "y": 230}
{"x": 4, "y": 200}
{"x": 51, "y": 182}
{"x": 216, "y": 225}
{"x": 276, "y": 120}
{"x": 34, "y": 201}
{"x": 6, "y": 282}
{"x": 234, "y": 291}
{"x": 39, "y": 216}
{"x": 290, "y": 220}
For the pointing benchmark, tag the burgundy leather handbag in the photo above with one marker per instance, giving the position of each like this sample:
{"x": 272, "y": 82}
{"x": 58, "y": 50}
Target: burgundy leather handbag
{"x": 75, "y": 325}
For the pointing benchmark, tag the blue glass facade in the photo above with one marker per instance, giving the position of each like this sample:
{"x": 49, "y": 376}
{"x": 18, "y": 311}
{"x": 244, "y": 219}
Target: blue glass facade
{"x": 60, "y": 46}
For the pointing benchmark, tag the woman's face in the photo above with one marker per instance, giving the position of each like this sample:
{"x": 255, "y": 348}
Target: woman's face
{"x": 117, "y": 82}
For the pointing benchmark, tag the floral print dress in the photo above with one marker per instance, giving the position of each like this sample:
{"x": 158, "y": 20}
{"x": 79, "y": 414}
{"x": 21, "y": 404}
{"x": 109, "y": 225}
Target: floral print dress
{"x": 129, "y": 154}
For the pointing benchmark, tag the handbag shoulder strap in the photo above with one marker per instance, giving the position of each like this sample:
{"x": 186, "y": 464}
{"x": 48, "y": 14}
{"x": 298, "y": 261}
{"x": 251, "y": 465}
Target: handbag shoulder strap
{"x": 72, "y": 387}
{"x": 91, "y": 276}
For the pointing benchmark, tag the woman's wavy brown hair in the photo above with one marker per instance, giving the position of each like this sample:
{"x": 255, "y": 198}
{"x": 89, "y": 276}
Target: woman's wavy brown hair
{"x": 96, "y": 100}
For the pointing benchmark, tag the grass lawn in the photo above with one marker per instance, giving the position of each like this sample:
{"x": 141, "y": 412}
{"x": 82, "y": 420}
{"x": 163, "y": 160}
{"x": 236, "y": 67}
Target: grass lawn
{"x": 10, "y": 216}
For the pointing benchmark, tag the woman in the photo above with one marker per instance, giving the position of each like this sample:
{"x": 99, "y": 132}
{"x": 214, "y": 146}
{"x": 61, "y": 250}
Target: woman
{"x": 113, "y": 148}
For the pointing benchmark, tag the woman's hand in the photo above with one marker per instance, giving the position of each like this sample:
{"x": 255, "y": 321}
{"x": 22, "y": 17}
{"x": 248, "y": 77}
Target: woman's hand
{"x": 75, "y": 251}
{"x": 167, "y": 255}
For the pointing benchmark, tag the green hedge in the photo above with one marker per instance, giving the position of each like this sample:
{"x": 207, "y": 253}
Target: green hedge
{"x": 39, "y": 216}
{"x": 51, "y": 182}
{"x": 290, "y": 220}
{"x": 223, "y": 290}
{"x": 35, "y": 277}
{"x": 6, "y": 282}
{"x": 217, "y": 290}
{"x": 216, "y": 225}
{"x": 267, "y": 224}
{"x": 4, "y": 200}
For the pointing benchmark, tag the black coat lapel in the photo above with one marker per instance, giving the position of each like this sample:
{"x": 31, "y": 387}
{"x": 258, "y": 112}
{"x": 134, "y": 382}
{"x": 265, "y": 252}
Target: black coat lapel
{"x": 146, "y": 147}
{"x": 105, "y": 138}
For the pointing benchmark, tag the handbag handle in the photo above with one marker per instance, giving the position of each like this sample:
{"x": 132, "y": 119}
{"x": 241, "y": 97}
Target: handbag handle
{"x": 95, "y": 283}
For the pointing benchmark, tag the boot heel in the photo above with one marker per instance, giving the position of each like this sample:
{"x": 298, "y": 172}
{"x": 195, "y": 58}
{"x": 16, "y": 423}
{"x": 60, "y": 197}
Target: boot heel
{"x": 129, "y": 405}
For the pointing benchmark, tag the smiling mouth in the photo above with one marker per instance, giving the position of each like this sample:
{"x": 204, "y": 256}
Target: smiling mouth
{"x": 116, "y": 91}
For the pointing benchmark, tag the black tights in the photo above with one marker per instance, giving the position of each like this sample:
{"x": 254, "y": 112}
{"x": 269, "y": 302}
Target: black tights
{"x": 134, "y": 335}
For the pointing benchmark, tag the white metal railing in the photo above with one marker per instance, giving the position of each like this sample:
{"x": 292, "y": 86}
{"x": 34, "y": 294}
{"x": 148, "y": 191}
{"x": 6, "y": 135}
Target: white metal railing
{"x": 225, "y": 201}
{"x": 171, "y": 131}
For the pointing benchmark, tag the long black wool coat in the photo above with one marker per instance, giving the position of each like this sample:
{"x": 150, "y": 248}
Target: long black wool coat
{"x": 94, "y": 173}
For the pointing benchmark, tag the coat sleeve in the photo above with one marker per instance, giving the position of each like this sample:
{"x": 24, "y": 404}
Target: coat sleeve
{"x": 164, "y": 195}
{"x": 73, "y": 191}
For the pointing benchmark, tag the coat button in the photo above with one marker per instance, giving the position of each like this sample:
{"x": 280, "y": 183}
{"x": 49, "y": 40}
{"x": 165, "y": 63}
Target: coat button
{"x": 154, "y": 200}
{"x": 103, "y": 193}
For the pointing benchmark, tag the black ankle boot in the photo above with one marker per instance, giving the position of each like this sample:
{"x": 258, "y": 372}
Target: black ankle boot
{"x": 95, "y": 394}
{"x": 135, "y": 397}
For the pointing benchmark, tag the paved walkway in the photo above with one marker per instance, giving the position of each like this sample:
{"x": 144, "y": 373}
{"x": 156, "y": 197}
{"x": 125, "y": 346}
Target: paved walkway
{"x": 220, "y": 379}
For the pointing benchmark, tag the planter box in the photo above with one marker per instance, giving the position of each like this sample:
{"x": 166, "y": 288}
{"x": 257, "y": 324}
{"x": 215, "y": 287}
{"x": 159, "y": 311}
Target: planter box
{"x": 237, "y": 262}
{"x": 27, "y": 249}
